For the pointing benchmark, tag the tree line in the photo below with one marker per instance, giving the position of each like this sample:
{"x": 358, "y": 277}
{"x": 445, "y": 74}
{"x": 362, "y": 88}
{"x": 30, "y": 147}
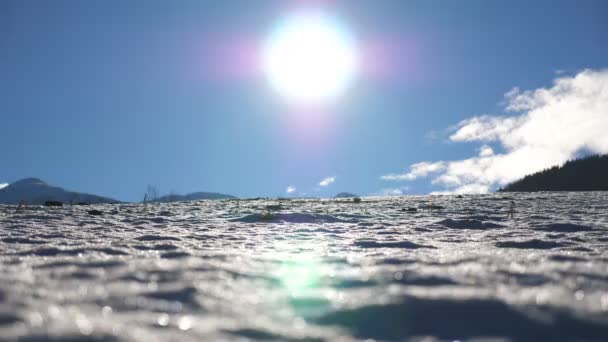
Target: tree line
{"x": 588, "y": 173}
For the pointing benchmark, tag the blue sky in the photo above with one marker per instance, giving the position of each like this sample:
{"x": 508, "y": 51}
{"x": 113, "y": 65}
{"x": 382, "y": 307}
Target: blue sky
{"x": 110, "y": 96}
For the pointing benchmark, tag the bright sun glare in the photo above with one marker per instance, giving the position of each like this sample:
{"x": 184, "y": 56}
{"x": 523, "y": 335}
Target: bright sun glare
{"x": 310, "y": 58}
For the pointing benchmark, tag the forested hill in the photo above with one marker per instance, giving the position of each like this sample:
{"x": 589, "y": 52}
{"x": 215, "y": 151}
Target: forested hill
{"x": 585, "y": 174}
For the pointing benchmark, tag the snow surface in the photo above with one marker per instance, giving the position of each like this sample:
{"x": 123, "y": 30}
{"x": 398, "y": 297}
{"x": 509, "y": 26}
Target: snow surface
{"x": 315, "y": 270}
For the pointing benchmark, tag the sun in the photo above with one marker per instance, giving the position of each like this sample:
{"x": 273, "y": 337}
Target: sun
{"x": 310, "y": 58}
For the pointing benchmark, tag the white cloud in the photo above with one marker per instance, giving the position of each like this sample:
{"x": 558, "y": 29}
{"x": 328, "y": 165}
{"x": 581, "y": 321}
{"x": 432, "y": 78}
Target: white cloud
{"x": 486, "y": 151}
{"x": 327, "y": 181}
{"x": 416, "y": 170}
{"x": 483, "y": 128}
{"x": 290, "y": 189}
{"x": 465, "y": 189}
{"x": 550, "y": 126}
{"x": 3, "y": 185}
{"x": 393, "y": 191}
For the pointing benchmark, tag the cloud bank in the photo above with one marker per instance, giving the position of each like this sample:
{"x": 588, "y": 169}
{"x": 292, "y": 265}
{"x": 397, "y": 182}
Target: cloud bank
{"x": 416, "y": 170}
{"x": 290, "y": 189}
{"x": 543, "y": 127}
{"x": 393, "y": 191}
{"x": 327, "y": 181}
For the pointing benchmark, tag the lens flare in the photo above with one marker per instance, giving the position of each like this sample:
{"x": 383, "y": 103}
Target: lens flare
{"x": 299, "y": 275}
{"x": 310, "y": 58}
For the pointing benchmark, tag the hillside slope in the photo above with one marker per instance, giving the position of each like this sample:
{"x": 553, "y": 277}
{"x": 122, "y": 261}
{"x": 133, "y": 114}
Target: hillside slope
{"x": 585, "y": 174}
{"x": 36, "y": 191}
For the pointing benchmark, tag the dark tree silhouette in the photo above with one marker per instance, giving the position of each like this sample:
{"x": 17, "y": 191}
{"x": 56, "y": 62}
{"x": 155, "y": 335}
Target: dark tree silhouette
{"x": 584, "y": 174}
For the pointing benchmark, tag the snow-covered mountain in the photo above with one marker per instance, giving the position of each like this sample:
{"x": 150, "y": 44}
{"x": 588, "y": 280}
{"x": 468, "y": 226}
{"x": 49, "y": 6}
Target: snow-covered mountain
{"x": 36, "y": 191}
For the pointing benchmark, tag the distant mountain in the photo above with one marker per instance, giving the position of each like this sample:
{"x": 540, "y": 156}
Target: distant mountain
{"x": 193, "y": 197}
{"x": 345, "y": 195}
{"x": 35, "y": 191}
{"x": 585, "y": 174}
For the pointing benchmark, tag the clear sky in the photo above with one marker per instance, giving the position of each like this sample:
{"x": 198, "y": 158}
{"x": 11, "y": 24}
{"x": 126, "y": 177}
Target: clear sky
{"x": 110, "y": 96}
